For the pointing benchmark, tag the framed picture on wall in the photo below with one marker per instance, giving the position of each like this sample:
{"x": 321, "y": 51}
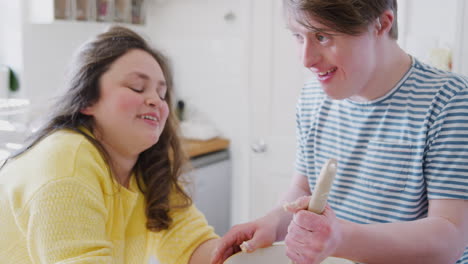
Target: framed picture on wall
{"x": 85, "y": 10}
{"x": 62, "y": 9}
{"x": 104, "y": 10}
{"x": 122, "y": 11}
{"x": 138, "y": 12}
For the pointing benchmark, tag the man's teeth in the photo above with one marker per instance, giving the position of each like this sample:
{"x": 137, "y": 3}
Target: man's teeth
{"x": 149, "y": 117}
{"x": 327, "y": 72}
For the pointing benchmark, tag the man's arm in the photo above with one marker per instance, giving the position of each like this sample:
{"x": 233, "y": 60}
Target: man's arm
{"x": 440, "y": 238}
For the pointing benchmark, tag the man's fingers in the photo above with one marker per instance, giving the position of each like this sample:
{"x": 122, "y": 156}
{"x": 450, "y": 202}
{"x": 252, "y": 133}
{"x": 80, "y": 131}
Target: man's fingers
{"x": 301, "y": 203}
{"x": 246, "y": 247}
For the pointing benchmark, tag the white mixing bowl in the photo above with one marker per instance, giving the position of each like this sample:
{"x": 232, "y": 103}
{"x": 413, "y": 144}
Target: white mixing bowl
{"x": 276, "y": 254}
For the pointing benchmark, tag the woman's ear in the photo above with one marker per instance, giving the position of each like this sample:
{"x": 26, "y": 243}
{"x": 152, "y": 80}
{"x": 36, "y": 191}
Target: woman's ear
{"x": 384, "y": 22}
{"x": 87, "y": 110}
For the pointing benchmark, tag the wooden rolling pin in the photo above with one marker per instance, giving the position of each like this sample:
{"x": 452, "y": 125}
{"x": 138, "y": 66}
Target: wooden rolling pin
{"x": 324, "y": 182}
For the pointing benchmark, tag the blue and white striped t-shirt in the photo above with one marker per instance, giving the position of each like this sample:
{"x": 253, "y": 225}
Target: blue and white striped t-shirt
{"x": 393, "y": 153}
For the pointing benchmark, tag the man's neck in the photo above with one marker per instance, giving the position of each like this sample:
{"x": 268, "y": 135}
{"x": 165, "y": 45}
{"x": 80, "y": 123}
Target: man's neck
{"x": 392, "y": 67}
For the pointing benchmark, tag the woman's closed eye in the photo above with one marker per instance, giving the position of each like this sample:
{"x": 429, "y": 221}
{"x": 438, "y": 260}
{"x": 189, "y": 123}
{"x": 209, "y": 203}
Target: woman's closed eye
{"x": 161, "y": 95}
{"x": 136, "y": 88}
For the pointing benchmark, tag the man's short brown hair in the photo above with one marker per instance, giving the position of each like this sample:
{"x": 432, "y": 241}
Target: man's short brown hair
{"x": 343, "y": 16}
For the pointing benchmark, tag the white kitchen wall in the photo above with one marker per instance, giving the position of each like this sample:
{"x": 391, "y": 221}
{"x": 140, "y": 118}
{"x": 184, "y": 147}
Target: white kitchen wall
{"x": 427, "y": 24}
{"x": 47, "y": 53}
{"x": 460, "y": 61}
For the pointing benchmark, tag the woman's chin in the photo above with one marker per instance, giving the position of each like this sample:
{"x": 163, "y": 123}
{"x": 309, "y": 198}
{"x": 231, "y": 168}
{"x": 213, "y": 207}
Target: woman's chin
{"x": 150, "y": 142}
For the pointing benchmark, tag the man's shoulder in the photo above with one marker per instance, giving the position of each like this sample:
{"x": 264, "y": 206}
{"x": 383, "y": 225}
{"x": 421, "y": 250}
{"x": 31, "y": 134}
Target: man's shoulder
{"x": 427, "y": 75}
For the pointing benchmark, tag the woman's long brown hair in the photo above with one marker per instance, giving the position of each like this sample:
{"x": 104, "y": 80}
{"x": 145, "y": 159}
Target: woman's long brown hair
{"x": 159, "y": 168}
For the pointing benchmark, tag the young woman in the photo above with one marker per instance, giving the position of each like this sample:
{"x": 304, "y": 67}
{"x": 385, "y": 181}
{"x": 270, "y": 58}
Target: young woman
{"x": 399, "y": 131}
{"x": 100, "y": 182}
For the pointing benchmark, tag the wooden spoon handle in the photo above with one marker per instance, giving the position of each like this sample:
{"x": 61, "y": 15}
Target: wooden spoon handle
{"x": 324, "y": 182}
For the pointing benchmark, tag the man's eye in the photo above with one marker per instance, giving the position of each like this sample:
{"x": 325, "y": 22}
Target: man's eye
{"x": 298, "y": 37}
{"x": 321, "y": 38}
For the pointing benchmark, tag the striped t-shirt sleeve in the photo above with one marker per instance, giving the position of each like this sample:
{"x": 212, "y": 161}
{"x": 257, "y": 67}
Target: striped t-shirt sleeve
{"x": 446, "y": 167}
{"x": 300, "y": 161}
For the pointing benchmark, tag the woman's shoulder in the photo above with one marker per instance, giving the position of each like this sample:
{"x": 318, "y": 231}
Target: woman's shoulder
{"x": 64, "y": 140}
{"x": 65, "y": 149}
{"x": 62, "y": 154}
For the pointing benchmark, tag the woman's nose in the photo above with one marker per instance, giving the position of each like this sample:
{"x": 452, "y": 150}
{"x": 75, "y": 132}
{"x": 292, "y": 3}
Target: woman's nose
{"x": 153, "y": 100}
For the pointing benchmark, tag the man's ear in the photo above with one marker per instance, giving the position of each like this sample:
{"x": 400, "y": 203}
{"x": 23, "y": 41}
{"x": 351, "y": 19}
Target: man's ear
{"x": 385, "y": 22}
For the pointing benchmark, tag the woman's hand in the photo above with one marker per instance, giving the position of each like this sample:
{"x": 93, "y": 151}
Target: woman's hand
{"x": 252, "y": 235}
{"x": 311, "y": 237}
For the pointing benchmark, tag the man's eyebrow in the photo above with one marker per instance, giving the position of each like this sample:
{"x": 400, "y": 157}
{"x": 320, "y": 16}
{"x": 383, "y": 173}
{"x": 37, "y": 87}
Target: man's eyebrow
{"x": 312, "y": 29}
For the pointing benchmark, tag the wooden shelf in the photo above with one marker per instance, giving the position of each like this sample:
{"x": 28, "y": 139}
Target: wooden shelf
{"x": 196, "y": 148}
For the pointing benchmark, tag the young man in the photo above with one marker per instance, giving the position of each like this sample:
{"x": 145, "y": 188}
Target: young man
{"x": 399, "y": 130}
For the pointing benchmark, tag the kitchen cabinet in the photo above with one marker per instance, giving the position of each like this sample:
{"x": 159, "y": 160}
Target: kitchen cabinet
{"x": 212, "y": 188}
{"x": 211, "y": 180}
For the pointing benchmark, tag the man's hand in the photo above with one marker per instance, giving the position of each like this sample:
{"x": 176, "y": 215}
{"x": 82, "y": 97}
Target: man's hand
{"x": 311, "y": 237}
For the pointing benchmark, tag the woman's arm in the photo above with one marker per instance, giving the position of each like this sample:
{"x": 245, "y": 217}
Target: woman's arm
{"x": 65, "y": 221}
{"x": 189, "y": 238}
{"x": 204, "y": 252}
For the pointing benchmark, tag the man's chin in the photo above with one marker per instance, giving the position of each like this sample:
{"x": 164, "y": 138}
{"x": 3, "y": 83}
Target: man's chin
{"x": 335, "y": 96}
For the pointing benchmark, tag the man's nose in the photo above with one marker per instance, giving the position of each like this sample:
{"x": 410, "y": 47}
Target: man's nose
{"x": 310, "y": 54}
